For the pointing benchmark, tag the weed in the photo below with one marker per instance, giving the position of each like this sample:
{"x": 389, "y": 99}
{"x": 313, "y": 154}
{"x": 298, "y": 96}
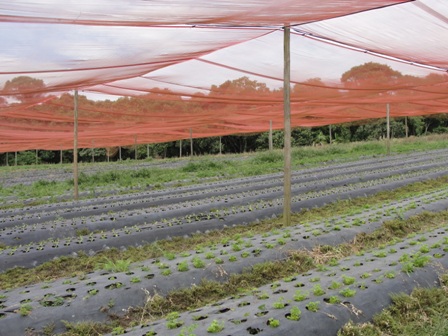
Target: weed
{"x": 115, "y": 266}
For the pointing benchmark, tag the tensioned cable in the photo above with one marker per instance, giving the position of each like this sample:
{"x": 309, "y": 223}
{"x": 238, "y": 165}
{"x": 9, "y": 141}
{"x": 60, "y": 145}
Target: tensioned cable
{"x": 365, "y": 51}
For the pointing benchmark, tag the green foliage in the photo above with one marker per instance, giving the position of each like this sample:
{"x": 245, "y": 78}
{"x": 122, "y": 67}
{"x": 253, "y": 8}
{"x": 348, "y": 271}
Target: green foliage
{"x": 318, "y": 290}
{"x": 347, "y": 292}
{"x": 215, "y": 327}
{"x": 313, "y": 306}
{"x": 183, "y": 266}
{"x": 25, "y": 309}
{"x": 300, "y": 296}
{"x": 347, "y": 280}
{"x": 421, "y": 313}
{"x": 294, "y": 314}
{"x": 198, "y": 262}
{"x": 273, "y": 323}
{"x": 279, "y": 304}
{"x": 115, "y": 265}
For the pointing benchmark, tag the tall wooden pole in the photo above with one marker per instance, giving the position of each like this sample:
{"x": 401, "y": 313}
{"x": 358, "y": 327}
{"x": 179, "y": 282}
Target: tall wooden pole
{"x": 388, "y": 129}
{"x": 93, "y": 151}
{"x": 220, "y": 146}
{"x": 271, "y": 143}
{"x": 180, "y": 148}
{"x": 331, "y": 135}
{"x": 75, "y": 147}
{"x": 147, "y": 151}
{"x": 60, "y": 157}
{"x": 406, "y": 128}
{"x": 287, "y": 126}
{"x": 37, "y": 156}
{"x": 119, "y": 153}
{"x": 7, "y": 159}
{"x": 135, "y": 145}
{"x": 15, "y": 158}
{"x": 191, "y": 142}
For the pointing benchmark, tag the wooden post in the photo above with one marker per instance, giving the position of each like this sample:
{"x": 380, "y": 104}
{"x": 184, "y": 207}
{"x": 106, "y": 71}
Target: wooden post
{"x": 15, "y": 158}
{"x": 406, "y": 128}
{"x": 147, "y": 151}
{"x": 37, "y": 156}
{"x": 135, "y": 145}
{"x": 191, "y": 142}
{"x": 388, "y": 129}
{"x": 7, "y": 159}
{"x": 220, "y": 146}
{"x": 93, "y": 151}
{"x": 60, "y": 157}
{"x": 331, "y": 135}
{"x": 287, "y": 126}
{"x": 119, "y": 153}
{"x": 180, "y": 148}
{"x": 75, "y": 146}
{"x": 271, "y": 143}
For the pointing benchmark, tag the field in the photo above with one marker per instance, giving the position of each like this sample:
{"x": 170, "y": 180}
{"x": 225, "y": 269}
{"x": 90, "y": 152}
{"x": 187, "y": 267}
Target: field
{"x": 198, "y": 246}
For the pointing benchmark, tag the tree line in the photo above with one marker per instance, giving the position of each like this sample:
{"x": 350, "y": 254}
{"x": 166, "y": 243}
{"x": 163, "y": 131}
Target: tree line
{"x": 343, "y": 133}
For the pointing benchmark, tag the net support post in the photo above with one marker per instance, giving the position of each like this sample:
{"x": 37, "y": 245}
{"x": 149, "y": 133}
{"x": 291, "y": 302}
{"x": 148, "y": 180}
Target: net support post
{"x": 388, "y": 129}
{"x": 75, "y": 146}
{"x": 287, "y": 127}
{"x": 191, "y": 143}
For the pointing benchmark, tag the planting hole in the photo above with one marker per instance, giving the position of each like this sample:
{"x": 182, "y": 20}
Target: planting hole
{"x": 280, "y": 291}
{"x": 149, "y": 276}
{"x": 262, "y": 313}
{"x": 238, "y": 321}
{"x": 224, "y": 310}
{"x": 243, "y": 304}
{"x": 254, "y": 331}
{"x": 114, "y": 285}
{"x": 70, "y": 290}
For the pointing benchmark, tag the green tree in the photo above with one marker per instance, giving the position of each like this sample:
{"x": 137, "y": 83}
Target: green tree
{"x": 24, "y": 88}
{"x": 370, "y": 73}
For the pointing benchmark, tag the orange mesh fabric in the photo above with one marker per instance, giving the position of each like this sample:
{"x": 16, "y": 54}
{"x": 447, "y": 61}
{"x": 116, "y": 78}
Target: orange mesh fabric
{"x": 212, "y": 67}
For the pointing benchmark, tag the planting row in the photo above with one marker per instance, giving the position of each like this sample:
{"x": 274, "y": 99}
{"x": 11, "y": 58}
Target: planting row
{"x": 164, "y": 226}
{"x": 94, "y": 295}
{"x": 254, "y": 184}
{"x": 235, "y": 193}
{"x": 318, "y": 302}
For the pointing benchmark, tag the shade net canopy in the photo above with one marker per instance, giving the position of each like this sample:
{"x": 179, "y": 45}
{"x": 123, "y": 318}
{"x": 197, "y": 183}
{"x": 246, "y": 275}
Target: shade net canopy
{"x": 154, "y": 71}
